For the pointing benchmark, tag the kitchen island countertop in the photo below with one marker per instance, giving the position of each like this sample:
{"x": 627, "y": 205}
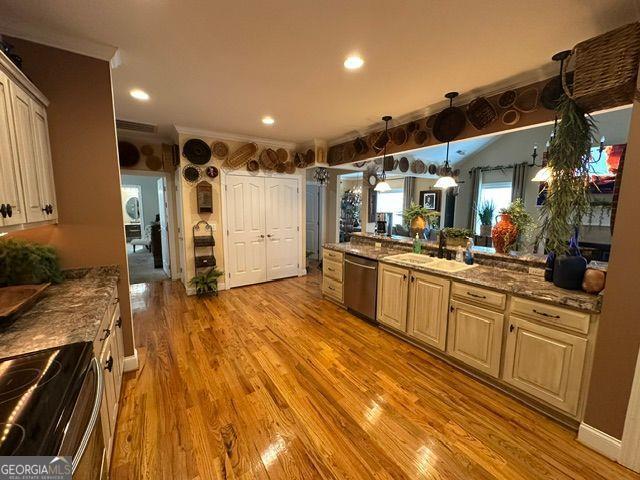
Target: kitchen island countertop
{"x": 522, "y": 284}
{"x": 67, "y": 313}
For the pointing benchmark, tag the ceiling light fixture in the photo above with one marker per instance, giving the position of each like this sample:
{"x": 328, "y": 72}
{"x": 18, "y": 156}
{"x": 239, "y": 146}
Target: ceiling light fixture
{"x": 139, "y": 94}
{"x": 268, "y": 120}
{"x": 383, "y": 185}
{"x": 447, "y": 180}
{"x": 353, "y": 62}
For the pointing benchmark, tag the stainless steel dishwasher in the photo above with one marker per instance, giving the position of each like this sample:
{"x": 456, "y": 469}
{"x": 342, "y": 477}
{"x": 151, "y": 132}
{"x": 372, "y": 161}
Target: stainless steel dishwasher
{"x": 360, "y": 286}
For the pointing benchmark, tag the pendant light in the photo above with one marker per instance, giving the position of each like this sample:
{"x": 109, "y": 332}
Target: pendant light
{"x": 383, "y": 186}
{"x": 446, "y": 180}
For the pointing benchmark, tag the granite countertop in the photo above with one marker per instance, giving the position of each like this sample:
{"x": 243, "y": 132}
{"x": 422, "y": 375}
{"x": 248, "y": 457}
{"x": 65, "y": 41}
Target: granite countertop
{"x": 67, "y": 313}
{"x": 507, "y": 281}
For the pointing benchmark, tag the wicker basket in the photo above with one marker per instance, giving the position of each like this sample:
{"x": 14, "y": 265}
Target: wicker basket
{"x": 606, "y": 69}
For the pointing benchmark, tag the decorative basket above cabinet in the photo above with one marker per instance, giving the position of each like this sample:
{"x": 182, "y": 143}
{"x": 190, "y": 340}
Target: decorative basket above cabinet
{"x": 27, "y": 191}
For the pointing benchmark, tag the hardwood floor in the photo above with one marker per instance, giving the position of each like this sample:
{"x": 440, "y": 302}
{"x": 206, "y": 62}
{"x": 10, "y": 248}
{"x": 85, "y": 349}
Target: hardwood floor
{"x": 271, "y": 381}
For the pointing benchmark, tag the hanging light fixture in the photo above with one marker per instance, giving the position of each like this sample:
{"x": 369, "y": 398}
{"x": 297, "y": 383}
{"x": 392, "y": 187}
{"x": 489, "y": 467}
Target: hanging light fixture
{"x": 383, "y": 186}
{"x": 446, "y": 179}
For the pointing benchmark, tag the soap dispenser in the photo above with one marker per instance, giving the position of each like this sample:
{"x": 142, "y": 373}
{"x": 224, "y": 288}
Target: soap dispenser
{"x": 417, "y": 245}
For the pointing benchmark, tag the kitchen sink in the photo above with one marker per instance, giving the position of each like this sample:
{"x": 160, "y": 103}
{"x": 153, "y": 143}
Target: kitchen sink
{"x": 411, "y": 259}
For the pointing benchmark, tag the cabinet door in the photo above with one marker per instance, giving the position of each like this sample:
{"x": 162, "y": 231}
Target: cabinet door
{"x": 118, "y": 351}
{"x": 428, "y": 309}
{"x": 545, "y": 363}
{"x": 10, "y": 183}
{"x": 42, "y": 150}
{"x": 22, "y": 115}
{"x": 109, "y": 382}
{"x": 392, "y": 296}
{"x": 475, "y": 337}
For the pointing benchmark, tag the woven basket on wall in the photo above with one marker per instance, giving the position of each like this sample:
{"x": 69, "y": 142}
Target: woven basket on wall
{"x": 606, "y": 69}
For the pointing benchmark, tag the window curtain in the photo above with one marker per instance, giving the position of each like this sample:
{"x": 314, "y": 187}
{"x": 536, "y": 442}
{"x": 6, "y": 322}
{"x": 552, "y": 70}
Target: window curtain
{"x": 518, "y": 183}
{"x": 408, "y": 190}
{"x": 476, "y": 179}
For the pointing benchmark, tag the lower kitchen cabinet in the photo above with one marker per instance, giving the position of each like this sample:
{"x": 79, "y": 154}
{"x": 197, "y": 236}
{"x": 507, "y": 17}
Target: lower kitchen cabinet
{"x": 393, "y": 289}
{"x": 475, "y": 337}
{"x": 428, "y": 309}
{"x": 332, "y": 274}
{"x": 545, "y": 362}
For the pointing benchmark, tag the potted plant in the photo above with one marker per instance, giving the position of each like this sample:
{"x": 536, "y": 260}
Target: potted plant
{"x": 456, "y": 237}
{"x": 23, "y": 263}
{"x": 206, "y": 283}
{"x": 568, "y": 200}
{"x": 417, "y": 218}
{"x": 513, "y": 225}
{"x": 485, "y": 214}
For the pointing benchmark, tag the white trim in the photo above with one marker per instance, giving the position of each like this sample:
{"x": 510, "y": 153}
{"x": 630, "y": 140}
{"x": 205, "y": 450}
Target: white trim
{"x": 224, "y": 173}
{"x": 234, "y": 137}
{"x": 130, "y": 363}
{"x": 35, "y": 33}
{"x": 599, "y": 441}
{"x": 630, "y": 451}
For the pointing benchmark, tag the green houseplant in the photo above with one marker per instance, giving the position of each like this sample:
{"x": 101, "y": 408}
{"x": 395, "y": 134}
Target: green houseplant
{"x": 568, "y": 200}
{"x": 206, "y": 283}
{"x": 485, "y": 214}
{"x": 24, "y": 263}
{"x": 418, "y": 218}
{"x": 456, "y": 237}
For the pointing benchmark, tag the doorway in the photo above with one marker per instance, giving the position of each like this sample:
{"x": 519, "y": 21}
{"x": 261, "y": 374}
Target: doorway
{"x": 314, "y": 215}
{"x": 262, "y": 221}
{"x": 145, "y": 208}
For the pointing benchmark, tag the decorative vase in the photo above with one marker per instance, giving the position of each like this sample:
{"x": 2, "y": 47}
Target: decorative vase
{"x": 485, "y": 230}
{"x": 504, "y": 233}
{"x": 418, "y": 224}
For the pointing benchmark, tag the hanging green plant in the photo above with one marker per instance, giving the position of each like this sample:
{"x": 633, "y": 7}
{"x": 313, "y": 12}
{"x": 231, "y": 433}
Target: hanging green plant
{"x": 567, "y": 200}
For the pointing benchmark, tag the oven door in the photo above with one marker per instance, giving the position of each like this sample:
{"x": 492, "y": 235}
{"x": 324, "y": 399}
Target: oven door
{"x": 83, "y": 439}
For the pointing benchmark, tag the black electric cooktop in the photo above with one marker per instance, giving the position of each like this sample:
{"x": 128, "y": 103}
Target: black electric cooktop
{"x": 37, "y": 395}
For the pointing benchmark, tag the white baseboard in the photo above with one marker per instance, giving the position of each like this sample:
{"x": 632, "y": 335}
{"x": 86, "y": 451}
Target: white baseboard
{"x": 131, "y": 363}
{"x": 599, "y": 441}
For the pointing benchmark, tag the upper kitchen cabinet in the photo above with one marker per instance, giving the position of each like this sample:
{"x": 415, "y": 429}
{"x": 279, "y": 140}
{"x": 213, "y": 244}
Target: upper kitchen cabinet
{"x": 27, "y": 190}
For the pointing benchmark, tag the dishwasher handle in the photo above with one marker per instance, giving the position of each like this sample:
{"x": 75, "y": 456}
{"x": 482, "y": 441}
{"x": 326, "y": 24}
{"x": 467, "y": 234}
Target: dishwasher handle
{"x": 360, "y": 264}
{"x": 95, "y": 365}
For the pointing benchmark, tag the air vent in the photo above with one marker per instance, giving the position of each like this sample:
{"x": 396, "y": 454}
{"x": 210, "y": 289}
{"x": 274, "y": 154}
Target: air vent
{"x": 136, "y": 126}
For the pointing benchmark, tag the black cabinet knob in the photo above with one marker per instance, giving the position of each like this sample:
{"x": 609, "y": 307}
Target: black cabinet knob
{"x": 9, "y": 210}
{"x": 3, "y": 210}
{"x": 119, "y": 322}
{"x": 109, "y": 365}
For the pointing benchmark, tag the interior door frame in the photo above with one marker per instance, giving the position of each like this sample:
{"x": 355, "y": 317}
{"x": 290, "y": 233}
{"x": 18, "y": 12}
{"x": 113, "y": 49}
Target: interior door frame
{"x": 173, "y": 219}
{"x": 301, "y": 214}
{"x": 321, "y": 219}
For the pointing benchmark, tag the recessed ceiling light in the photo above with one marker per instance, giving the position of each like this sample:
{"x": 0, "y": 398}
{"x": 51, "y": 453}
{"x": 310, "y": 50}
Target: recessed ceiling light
{"x": 353, "y": 62}
{"x": 268, "y": 120}
{"x": 139, "y": 94}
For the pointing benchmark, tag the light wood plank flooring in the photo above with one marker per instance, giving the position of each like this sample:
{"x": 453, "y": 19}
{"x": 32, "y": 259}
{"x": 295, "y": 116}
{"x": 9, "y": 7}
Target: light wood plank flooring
{"x": 272, "y": 381}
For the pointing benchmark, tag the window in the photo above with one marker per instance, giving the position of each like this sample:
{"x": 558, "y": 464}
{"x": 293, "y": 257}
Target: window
{"x": 391, "y": 202}
{"x": 499, "y": 193}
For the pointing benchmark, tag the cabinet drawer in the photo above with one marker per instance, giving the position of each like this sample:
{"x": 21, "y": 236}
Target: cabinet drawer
{"x": 332, "y": 269}
{"x": 479, "y": 295}
{"x": 332, "y": 255}
{"x": 332, "y": 288}
{"x": 550, "y": 314}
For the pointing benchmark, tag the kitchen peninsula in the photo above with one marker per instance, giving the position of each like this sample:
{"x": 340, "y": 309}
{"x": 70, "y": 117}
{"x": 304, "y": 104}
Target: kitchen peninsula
{"x": 497, "y": 319}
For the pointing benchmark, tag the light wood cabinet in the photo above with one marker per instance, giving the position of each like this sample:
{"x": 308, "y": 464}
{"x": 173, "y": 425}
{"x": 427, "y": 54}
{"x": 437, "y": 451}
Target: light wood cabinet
{"x": 428, "y": 309}
{"x": 332, "y": 275}
{"x": 393, "y": 288}
{"x": 27, "y": 190}
{"x": 475, "y": 337}
{"x": 545, "y": 363}
{"x": 10, "y": 182}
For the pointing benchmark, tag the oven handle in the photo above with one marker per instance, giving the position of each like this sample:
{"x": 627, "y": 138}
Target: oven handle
{"x": 94, "y": 416}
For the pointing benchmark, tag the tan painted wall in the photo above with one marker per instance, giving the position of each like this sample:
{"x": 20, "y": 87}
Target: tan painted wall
{"x": 85, "y": 164}
{"x": 619, "y": 333}
{"x": 190, "y": 215}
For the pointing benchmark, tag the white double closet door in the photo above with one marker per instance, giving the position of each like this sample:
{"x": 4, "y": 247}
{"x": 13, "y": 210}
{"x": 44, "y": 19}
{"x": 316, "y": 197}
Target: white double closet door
{"x": 263, "y": 228}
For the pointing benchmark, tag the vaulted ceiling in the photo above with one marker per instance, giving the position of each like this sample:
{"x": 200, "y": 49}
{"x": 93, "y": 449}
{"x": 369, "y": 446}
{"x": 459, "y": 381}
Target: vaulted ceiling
{"x": 223, "y": 65}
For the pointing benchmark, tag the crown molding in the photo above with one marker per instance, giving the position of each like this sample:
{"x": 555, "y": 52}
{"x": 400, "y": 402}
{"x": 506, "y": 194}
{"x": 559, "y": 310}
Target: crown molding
{"x": 546, "y": 71}
{"x": 33, "y": 33}
{"x": 234, "y": 137}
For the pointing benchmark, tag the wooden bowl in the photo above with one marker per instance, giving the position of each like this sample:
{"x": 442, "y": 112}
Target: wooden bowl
{"x": 283, "y": 155}
{"x": 404, "y": 164}
{"x": 420, "y": 137}
{"x": 511, "y": 117}
{"x": 220, "y": 150}
{"x": 506, "y": 99}
{"x": 527, "y": 101}
{"x": 399, "y": 136}
{"x": 253, "y": 165}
